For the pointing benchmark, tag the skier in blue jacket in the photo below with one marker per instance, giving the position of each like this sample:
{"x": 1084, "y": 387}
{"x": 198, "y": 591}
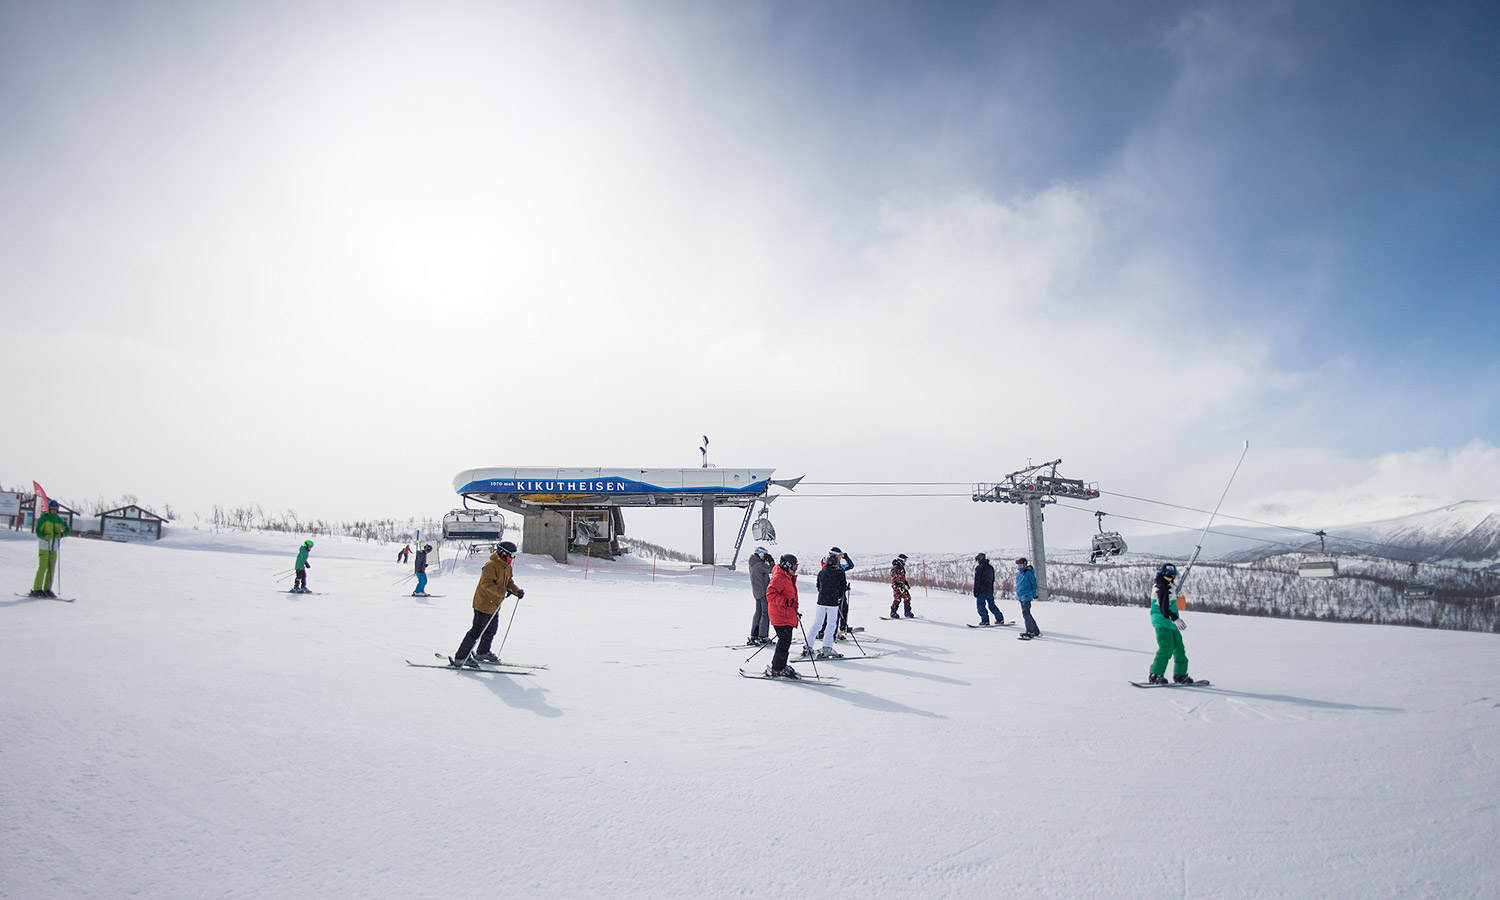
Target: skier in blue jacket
{"x": 1025, "y": 593}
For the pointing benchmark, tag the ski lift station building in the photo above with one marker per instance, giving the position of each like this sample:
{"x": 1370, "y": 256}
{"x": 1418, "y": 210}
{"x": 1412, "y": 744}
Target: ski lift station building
{"x": 556, "y": 503}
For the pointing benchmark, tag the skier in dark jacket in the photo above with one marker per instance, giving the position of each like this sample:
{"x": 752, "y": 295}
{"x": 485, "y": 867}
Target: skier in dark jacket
{"x": 1169, "y": 627}
{"x": 832, "y": 586}
{"x": 984, "y": 591}
{"x": 760, "y": 565}
{"x": 421, "y": 567}
{"x": 900, "y": 588}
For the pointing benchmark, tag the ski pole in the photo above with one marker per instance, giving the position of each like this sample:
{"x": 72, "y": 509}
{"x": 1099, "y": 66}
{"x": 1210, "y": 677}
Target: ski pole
{"x": 507, "y": 625}
{"x": 756, "y": 653}
{"x": 806, "y": 643}
{"x": 850, "y": 632}
{"x": 407, "y": 578}
{"x": 1199, "y": 549}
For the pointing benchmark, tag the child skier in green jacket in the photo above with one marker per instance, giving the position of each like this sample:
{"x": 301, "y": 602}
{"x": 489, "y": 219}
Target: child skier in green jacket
{"x": 299, "y": 581}
{"x": 50, "y": 530}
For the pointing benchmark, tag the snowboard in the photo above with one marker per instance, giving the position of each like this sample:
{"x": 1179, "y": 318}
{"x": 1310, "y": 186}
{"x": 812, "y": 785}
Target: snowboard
{"x": 899, "y": 618}
{"x": 994, "y": 625}
{"x": 1146, "y": 684}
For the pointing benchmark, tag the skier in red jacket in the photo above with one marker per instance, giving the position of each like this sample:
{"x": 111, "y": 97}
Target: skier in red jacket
{"x": 781, "y": 606}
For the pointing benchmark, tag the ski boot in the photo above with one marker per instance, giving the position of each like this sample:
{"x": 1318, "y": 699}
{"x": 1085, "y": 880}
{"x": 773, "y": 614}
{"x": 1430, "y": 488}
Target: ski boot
{"x": 788, "y": 673}
{"x": 49, "y": 595}
{"x": 807, "y": 652}
{"x": 487, "y": 657}
{"x": 830, "y": 654}
{"x": 1184, "y": 678}
{"x": 1156, "y": 679}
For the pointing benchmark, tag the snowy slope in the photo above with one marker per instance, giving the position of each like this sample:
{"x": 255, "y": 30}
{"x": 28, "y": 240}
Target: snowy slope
{"x": 186, "y": 731}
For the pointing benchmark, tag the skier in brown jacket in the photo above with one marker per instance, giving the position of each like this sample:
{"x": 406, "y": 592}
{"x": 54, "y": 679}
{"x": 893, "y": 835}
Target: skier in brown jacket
{"x": 495, "y": 584}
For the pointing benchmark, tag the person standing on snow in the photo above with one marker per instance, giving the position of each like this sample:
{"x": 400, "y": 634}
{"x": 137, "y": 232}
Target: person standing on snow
{"x": 984, "y": 591}
{"x": 50, "y": 530}
{"x": 1025, "y": 593}
{"x": 405, "y": 553}
{"x": 760, "y": 565}
{"x": 781, "y": 608}
{"x": 832, "y": 586}
{"x": 299, "y": 583}
{"x": 900, "y": 589}
{"x": 495, "y": 584}
{"x": 1169, "y": 628}
{"x": 421, "y": 564}
{"x": 845, "y": 564}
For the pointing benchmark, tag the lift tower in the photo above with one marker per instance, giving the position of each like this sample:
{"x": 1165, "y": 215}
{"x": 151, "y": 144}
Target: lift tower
{"x": 1035, "y": 487}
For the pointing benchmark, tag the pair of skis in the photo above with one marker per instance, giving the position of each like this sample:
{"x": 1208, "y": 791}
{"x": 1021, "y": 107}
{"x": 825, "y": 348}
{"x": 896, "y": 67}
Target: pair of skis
{"x": 501, "y": 668}
{"x": 58, "y": 599}
{"x": 800, "y": 679}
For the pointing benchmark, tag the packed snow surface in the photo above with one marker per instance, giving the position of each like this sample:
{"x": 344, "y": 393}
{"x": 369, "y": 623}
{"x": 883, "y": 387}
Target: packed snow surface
{"x": 187, "y": 730}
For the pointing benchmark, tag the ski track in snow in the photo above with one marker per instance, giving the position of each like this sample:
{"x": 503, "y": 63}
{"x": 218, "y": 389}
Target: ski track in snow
{"x": 186, "y": 731}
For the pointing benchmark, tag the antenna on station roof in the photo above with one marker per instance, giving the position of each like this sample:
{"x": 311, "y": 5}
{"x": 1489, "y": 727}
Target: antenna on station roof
{"x": 704, "y": 451}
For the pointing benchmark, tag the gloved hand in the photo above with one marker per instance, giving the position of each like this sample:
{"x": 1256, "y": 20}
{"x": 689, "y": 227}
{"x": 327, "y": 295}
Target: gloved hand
{"x": 1181, "y": 625}
{"x": 307, "y": 565}
{"x": 520, "y": 593}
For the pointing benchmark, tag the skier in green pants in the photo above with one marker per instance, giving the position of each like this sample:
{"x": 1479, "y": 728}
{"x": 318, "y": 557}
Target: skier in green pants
{"x": 50, "y": 530}
{"x": 1169, "y": 628}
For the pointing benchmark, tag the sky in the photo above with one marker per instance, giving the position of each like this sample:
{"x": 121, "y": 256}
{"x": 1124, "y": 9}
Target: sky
{"x": 322, "y": 256}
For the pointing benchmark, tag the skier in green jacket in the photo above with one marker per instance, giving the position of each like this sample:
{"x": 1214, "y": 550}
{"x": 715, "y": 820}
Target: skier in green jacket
{"x": 1169, "y": 628}
{"x": 299, "y": 583}
{"x": 50, "y": 530}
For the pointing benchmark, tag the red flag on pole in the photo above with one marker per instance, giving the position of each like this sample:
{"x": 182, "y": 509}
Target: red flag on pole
{"x": 41, "y": 499}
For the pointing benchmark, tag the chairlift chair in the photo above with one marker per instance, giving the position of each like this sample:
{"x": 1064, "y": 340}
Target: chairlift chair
{"x": 762, "y": 530}
{"x": 1419, "y": 590}
{"x": 1107, "y": 544}
{"x": 1319, "y": 567}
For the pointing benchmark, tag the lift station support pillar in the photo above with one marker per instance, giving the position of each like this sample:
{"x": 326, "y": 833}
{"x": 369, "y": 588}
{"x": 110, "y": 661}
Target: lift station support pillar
{"x": 708, "y": 530}
{"x": 1035, "y": 487}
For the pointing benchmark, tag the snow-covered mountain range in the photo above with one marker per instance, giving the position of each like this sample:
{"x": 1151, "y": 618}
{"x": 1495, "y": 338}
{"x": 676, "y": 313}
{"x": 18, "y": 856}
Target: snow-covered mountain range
{"x": 1465, "y": 532}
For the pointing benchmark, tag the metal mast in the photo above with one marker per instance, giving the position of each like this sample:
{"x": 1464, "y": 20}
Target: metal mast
{"x": 1035, "y": 487}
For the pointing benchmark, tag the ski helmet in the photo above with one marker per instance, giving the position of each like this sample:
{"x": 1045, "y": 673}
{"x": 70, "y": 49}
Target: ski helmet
{"x": 900, "y": 561}
{"x": 307, "y": 543}
{"x": 506, "y": 547}
{"x": 762, "y": 551}
{"x": 427, "y": 548}
{"x": 981, "y": 558}
{"x": 788, "y": 562}
{"x": 1167, "y": 571}
{"x": 1021, "y": 561}
{"x": 52, "y": 504}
